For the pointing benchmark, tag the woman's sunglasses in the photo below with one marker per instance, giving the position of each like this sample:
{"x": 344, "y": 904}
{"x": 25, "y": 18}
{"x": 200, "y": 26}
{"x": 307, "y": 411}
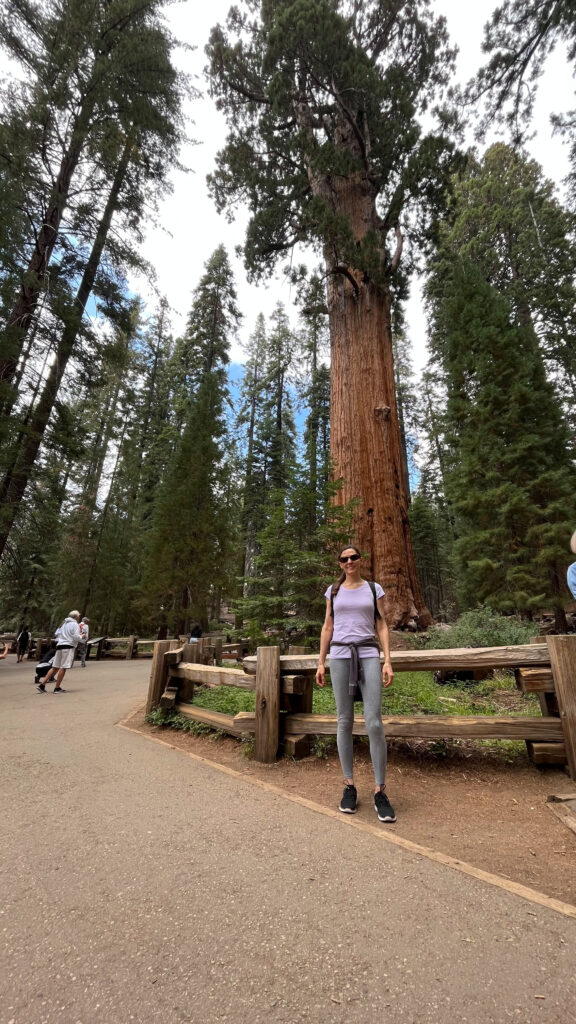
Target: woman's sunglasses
{"x": 349, "y": 558}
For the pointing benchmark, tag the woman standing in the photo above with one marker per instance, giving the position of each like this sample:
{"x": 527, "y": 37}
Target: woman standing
{"x": 353, "y": 612}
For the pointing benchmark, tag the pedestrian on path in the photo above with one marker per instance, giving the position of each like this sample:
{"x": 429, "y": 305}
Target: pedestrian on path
{"x": 83, "y": 645}
{"x": 68, "y": 636}
{"x": 4, "y": 652}
{"x": 22, "y": 643}
{"x": 354, "y": 612}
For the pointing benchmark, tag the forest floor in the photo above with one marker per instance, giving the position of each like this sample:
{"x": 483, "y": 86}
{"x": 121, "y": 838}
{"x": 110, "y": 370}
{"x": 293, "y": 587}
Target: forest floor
{"x": 471, "y": 802}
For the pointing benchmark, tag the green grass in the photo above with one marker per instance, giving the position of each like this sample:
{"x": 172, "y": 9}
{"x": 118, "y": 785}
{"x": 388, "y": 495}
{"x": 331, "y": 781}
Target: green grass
{"x": 227, "y": 699}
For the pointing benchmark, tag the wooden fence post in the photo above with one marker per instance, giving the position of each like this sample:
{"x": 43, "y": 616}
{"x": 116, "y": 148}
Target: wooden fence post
{"x": 299, "y": 746}
{"x": 130, "y": 648}
{"x": 158, "y": 674}
{"x": 267, "y": 704}
{"x": 190, "y": 653}
{"x": 563, "y": 660}
{"x": 545, "y": 753}
{"x": 218, "y": 649}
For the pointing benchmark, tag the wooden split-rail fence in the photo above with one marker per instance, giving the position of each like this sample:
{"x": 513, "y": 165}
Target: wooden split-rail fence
{"x": 283, "y": 717}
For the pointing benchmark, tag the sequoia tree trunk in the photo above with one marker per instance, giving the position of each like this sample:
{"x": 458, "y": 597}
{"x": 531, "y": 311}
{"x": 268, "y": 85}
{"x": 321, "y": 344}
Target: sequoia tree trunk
{"x": 366, "y": 445}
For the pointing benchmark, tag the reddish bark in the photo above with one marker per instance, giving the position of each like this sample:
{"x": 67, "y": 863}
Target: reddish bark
{"x": 365, "y": 435}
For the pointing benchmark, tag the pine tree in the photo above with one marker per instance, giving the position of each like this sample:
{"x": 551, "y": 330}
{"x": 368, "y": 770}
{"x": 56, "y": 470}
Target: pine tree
{"x": 506, "y": 219}
{"x": 316, "y": 470}
{"x": 102, "y": 101}
{"x": 76, "y": 70}
{"x": 433, "y": 549}
{"x": 509, "y": 479}
{"x": 187, "y": 549}
{"x": 520, "y": 36}
{"x": 253, "y": 490}
{"x": 323, "y": 102}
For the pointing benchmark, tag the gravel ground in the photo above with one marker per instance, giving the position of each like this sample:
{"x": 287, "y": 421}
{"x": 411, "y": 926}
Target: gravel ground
{"x": 141, "y": 885}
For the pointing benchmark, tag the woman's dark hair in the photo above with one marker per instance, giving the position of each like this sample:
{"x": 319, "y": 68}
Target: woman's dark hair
{"x": 340, "y": 580}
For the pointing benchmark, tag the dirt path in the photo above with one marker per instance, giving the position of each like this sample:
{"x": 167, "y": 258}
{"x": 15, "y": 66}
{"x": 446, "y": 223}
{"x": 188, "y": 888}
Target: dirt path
{"x": 142, "y": 885}
{"x": 471, "y": 805}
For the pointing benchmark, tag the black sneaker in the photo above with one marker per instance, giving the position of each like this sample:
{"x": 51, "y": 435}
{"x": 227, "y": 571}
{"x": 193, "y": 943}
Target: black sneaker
{"x": 58, "y": 689}
{"x": 349, "y": 801}
{"x": 383, "y": 807}
{"x": 41, "y": 688}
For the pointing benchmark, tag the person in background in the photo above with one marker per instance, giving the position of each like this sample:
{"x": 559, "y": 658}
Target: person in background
{"x": 68, "y": 636}
{"x": 22, "y": 643}
{"x": 83, "y": 645}
{"x": 571, "y": 574}
{"x": 4, "y": 652}
{"x": 354, "y": 611}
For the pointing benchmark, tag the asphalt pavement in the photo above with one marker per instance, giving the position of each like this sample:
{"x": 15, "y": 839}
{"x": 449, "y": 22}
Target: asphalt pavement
{"x": 138, "y": 884}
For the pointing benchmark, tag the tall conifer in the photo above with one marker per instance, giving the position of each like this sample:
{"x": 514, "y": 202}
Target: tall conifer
{"x": 187, "y": 554}
{"x": 508, "y": 476}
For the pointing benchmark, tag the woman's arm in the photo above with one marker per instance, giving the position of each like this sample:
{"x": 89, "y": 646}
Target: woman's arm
{"x": 384, "y": 638}
{"x": 325, "y": 638}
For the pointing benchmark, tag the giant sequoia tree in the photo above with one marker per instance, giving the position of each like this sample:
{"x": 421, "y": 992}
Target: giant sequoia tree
{"x": 323, "y": 99}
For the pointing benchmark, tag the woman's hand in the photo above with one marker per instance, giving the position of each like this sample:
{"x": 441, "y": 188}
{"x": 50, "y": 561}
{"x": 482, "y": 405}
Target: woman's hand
{"x": 387, "y": 674}
{"x": 320, "y": 675}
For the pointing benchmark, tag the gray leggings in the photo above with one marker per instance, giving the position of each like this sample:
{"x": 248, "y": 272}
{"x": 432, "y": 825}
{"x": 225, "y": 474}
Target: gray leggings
{"x": 371, "y": 686}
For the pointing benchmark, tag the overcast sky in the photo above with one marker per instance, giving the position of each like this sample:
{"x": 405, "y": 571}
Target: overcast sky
{"x": 190, "y": 227}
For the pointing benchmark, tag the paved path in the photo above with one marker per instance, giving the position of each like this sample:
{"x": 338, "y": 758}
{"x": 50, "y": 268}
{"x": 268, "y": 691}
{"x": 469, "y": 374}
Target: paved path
{"x": 140, "y": 885}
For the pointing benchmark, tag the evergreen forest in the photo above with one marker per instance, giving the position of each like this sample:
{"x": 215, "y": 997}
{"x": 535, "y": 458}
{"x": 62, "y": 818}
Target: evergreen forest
{"x": 154, "y": 482}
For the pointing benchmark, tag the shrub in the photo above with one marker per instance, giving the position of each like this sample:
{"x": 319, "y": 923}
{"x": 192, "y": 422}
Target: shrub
{"x": 481, "y": 627}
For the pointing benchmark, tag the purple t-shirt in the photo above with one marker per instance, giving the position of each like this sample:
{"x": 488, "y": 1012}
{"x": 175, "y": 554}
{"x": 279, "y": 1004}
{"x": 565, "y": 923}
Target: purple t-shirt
{"x": 353, "y": 618}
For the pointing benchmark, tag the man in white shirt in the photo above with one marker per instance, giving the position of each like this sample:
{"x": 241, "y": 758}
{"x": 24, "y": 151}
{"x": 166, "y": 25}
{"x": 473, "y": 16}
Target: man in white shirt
{"x": 68, "y": 636}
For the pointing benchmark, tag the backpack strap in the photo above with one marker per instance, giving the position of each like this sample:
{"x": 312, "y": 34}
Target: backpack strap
{"x": 376, "y": 612}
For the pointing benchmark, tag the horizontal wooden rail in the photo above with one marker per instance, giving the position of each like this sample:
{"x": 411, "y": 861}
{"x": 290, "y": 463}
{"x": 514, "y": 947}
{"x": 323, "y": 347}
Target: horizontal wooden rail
{"x": 215, "y": 719}
{"x": 212, "y": 676}
{"x": 486, "y": 727}
{"x": 459, "y": 659}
